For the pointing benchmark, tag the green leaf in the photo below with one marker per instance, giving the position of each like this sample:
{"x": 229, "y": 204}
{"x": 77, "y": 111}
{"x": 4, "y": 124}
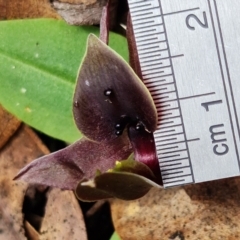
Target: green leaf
{"x": 115, "y": 236}
{"x": 39, "y": 63}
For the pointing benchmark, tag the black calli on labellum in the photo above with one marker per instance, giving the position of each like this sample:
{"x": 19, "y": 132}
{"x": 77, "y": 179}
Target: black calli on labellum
{"x": 115, "y": 112}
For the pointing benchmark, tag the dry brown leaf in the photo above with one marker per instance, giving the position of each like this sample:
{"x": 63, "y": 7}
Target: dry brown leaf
{"x": 9, "y": 124}
{"x": 85, "y": 2}
{"x": 204, "y": 211}
{"x": 83, "y": 12}
{"x": 63, "y": 218}
{"x": 20, "y": 149}
{"x": 19, "y": 9}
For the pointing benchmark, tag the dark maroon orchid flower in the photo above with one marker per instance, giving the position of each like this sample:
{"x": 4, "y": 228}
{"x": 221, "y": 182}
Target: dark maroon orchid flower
{"x": 116, "y": 113}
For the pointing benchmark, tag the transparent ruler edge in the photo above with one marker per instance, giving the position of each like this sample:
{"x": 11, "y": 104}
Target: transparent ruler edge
{"x": 153, "y": 50}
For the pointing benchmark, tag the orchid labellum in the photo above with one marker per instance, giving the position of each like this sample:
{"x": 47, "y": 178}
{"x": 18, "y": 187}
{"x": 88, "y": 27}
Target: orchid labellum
{"x": 115, "y": 112}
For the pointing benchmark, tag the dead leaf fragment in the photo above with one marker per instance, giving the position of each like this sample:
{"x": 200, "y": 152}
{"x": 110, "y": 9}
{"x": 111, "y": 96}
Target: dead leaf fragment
{"x": 63, "y": 218}
{"x": 19, "y": 9}
{"x": 85, "y": 2}
{"x": 19, "y": 150}
{"x": 202, "y": 211}
{"x": 83, "y": 12}
{"x": 32, "y": 234}
{"x": 9, "y": 124}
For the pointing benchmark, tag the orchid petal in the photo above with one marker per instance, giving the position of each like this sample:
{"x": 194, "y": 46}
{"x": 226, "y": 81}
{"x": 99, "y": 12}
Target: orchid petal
{"x": 122, "y": 185}
{"x": 104, "y": 23}
{"x": 65, "y": 168}
{"x": 132, "y": 48}
{"x": 132, "y": 166}
{"x": 128, "y": 180}
{"x": 109, "y": 95}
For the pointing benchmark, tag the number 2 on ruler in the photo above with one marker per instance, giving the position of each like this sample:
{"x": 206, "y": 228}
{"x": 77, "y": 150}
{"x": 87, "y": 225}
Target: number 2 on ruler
{"x": 203, "y": 23}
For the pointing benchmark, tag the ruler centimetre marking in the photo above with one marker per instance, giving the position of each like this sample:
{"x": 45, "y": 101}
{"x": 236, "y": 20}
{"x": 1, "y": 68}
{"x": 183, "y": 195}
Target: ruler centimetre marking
{"x": 189, "y": 53}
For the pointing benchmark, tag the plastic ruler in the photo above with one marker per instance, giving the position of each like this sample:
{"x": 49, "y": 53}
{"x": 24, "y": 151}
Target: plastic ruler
{"x": 189, "y": 53}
